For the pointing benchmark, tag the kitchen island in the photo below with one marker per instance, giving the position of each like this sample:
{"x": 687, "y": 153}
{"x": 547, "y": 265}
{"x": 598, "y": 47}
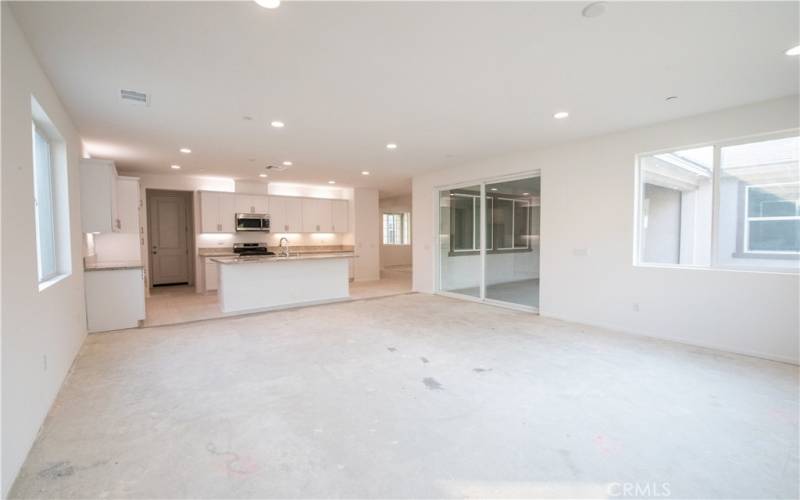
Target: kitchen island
{"x": 259, "y": 283}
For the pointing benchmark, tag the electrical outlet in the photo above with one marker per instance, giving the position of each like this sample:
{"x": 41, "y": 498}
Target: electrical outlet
{"x": 636, "y": 307}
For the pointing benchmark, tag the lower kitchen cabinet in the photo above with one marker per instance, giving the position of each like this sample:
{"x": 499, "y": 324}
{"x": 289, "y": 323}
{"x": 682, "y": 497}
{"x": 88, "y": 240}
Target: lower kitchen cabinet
{"x": 212, "y": 275}
{"x": 114, "y": 298}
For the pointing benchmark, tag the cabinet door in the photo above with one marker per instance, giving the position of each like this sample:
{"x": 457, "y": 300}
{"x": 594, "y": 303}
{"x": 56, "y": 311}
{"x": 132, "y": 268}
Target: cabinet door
{"x": 244, "y": 204}
{"x": 325, "y": 216}
{"x": 115, "y": 216}
{"x": 341, "y": 216}
{"x": 260, "y": 204}
{"x": 227, "y": 212}
{"x": 128, "y": 204}
{"x": 209, "y": 212}
{"x": 98, "y": 196}
{"x": 277, "y": 215}
{"x": 310, "y": 224}
{"x": 293, "y": 215}
{"x": 212, "y": 275}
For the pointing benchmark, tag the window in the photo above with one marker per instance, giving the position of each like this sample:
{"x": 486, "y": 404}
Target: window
{"x": 50, "y": 199}
{"x": 754, "y": 188}
{"x": 44, "y": 203}
{"x": 397, "y": 229}
{"x": 508, "y": 222}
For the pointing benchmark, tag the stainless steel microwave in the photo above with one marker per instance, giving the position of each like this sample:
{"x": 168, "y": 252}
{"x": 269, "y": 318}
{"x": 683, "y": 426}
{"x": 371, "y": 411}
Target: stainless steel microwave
{"x": 252, "y": 222}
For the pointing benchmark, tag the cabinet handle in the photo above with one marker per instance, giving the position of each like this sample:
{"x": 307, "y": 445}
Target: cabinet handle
{"x": 219, "y": 227}
{"x": 252, "y": 209}
{"x": 286, "y": 227}
{"x": 317, "y": 227}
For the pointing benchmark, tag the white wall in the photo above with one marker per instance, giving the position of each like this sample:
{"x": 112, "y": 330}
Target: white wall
{"x": 394, "y": 255}
{"x": 366, "y": 232}
{"x": 587, "y": 204}
{"x": 37, "y": 326}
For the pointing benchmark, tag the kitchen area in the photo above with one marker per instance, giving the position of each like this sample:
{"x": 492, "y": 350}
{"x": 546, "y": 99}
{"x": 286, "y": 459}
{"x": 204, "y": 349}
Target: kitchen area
{"x": 171, "y": 249}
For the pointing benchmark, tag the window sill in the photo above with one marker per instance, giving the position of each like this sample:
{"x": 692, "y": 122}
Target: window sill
{"x": 43, "y": 285}
{"x": 759, "y": 270}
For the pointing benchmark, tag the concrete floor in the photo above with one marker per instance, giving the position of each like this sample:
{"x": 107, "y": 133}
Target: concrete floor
{"x": 169, "y": 305}
{"x": 412, "y": 396}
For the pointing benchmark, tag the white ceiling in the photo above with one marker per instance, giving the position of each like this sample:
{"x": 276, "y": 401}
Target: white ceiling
{"x": 448, "y": 82}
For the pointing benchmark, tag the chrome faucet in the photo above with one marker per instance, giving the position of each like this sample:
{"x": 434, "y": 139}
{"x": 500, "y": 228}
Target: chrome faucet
{"x": 285, "y": 248}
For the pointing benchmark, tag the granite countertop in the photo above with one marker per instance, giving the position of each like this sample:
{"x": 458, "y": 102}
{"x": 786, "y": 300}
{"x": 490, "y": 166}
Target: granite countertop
{"x": 295, "y": 250}
{"x": 112, "y": 265}
{"x": 255, "y": 259}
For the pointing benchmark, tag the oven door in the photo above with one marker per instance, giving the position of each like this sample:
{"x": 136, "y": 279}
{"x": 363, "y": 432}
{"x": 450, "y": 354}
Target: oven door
{"x": 248, "y": 222}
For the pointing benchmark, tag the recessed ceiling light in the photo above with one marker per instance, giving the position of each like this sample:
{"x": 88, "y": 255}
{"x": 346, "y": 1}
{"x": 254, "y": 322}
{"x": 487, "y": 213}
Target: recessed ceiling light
{"x": 391, "y": 145}
{"x": 269, "y": 4}
{"x": 525, "y": 194}
{"x": 175, "y": 167}
{"x": 331, "y": 182}
{"x": 364, "y": 172}
{"x": 185, "y": 151}
{"x": 287, "y": 164}
{"x": 262, "y": 175}
{"x": 493, "y": 189}
{"x": 794, "y": 51}
{"x": 594, "y": 9}
{"x": 276, "y": 124}
{"x": 560, "y": 115}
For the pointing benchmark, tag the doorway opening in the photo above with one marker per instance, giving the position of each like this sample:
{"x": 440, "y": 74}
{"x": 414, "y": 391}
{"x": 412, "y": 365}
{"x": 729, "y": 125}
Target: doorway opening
{"x": 489, "y": 241}
{"x": 170, "y": 219}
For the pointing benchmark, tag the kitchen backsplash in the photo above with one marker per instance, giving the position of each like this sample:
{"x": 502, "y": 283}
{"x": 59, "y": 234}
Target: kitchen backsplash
{"x": 272, "y": 239}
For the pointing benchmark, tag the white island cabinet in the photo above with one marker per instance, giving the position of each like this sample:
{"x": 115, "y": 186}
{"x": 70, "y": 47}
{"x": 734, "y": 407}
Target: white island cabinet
{"x": 114, "y": 295}
{"x": 263, "y": 283}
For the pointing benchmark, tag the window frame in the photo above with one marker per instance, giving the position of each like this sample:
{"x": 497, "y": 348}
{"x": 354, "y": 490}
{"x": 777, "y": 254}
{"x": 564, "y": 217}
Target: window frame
{"x": 44, "y": 276}
{"x": 747, "y": 219}
{"x": 403, "y": 231}
{"x": 714, "y": 264}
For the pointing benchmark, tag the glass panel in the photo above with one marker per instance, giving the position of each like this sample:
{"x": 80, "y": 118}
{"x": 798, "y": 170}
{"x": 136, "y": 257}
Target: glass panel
{"x": 503, "y": 222}
{"x": 45, "y": 221}
{"x": 759, "y": 211}
{"x": 675, "y": 207}
{"x": 459, "y": 240}
{"x": 512, "y": 269}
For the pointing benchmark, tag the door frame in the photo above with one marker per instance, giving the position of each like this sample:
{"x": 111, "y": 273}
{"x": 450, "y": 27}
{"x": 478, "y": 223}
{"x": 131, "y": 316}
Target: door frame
{"x": 190, "y": 233}
{"x": 482, "y": 182}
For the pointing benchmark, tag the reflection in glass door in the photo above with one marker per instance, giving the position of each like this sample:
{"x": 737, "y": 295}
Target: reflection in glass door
{"x": 507, "y": 270}
{"x": 459, "y": 241}
{"x": 512, "y": 245}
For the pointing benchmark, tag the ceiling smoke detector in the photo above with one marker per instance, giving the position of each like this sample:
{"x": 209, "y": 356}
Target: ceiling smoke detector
{"x": 135, "y": 97}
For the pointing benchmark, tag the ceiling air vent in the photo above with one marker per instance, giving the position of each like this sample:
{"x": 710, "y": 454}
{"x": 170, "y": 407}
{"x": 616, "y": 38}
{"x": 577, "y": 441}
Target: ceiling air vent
{"x": 134, "y": 97}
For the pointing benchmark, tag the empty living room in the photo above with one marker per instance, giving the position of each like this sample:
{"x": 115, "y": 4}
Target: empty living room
{"x": 400, "y": 249}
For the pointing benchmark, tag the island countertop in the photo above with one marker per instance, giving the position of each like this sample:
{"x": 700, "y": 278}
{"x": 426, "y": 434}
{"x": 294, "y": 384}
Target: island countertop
{"x": 256, "y": 259}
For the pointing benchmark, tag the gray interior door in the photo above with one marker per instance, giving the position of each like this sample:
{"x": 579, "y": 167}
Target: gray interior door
{"x": 169, "y": 247}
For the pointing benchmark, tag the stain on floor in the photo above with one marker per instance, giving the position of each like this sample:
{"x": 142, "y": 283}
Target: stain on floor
{"x": 432, "y": 384}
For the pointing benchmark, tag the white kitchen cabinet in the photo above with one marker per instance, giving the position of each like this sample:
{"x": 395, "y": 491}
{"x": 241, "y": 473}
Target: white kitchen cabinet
{"x": 317, "y": 217}
{"x": 340, "y": 214}
{"x": 251, "y": 204}
{"x": 114, "y": 298}
{"x": 212, "y": 275}
{"x": 217, "y": 212}
{"x": 128, "y": 204}
{"x": 99, "y": 210}
{"x": 286, "y": 214}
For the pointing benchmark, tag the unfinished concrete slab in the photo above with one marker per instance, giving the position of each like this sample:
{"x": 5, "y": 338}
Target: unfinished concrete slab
{"x": 412, "y": 396}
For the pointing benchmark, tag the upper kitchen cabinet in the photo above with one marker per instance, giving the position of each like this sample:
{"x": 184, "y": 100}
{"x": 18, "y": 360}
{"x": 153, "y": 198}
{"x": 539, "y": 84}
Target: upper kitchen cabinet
{"x": 251, "y": 204}
{"x": 286, "y": 214}
{"x": 217, "y": 212}
{"x": 340, "y": 212}
{"x": 128, "y": 204}
{"x": 317, "y": 217}
{"x": 99, "y": 209}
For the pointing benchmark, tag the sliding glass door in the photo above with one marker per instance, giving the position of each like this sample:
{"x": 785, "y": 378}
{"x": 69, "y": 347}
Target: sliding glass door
{"x": 512, "y": 244}
{"x": 489, "y": 241}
